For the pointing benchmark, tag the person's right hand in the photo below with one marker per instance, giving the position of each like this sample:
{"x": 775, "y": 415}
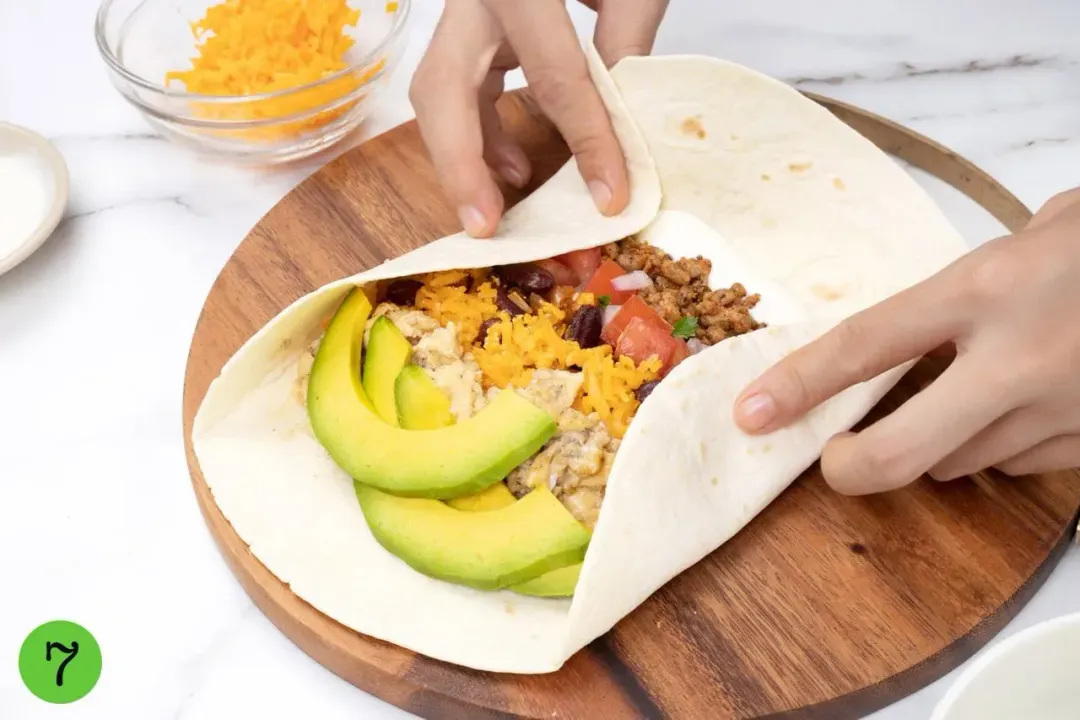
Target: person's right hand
{"x": 461, "y": 76}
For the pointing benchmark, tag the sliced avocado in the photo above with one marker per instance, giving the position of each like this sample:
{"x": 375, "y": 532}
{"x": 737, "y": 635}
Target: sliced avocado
{"x": 557, "y": 583}
{"x": 484, "y": 550}
{"x": 444, "y": 463}
{"x": 495, "y": 497}
{"x": 387, "y": 353}
{"x": 421, "y": 405}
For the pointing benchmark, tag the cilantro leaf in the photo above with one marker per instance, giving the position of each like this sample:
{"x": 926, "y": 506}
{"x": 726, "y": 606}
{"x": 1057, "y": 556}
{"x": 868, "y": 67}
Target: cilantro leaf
{"x": 603, "y": 301}
{"x": 686, "y": 328}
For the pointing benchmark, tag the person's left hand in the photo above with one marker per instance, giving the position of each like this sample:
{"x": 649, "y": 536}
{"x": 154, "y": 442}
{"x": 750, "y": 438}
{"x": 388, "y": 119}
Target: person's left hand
{"x": 461, "y": 76}
{"x": 1010, "y": 399}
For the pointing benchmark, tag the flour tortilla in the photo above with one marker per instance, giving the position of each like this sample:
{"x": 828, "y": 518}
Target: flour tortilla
{"x": 834, "y": 227}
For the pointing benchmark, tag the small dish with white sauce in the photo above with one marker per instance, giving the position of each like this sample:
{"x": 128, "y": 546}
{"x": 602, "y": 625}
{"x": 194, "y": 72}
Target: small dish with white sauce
{"x": 33, "y": 193}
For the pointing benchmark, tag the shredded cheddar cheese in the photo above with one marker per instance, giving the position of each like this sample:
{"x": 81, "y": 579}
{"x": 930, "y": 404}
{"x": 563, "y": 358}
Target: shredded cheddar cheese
{"x": 515, "y": 346}
{"x": 585, "y": 298}
{"x": 608, "y": 389}
{"x": 248, "y": 47}
{"x": 445, "y": 299}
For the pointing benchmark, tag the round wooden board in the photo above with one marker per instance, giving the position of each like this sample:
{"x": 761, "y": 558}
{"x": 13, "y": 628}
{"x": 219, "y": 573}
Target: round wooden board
{"x": 823, "y": 607}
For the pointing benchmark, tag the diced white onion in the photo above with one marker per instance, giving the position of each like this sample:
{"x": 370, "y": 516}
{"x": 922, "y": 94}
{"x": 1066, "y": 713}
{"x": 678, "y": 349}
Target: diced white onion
{"x": 695, "y": 346}
{"x": 637, "y": 280}
{"x": 610, "y": 312}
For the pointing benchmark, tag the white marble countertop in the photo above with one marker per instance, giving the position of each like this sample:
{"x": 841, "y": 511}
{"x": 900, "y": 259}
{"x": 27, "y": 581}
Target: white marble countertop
{"x": 98, "y": 523}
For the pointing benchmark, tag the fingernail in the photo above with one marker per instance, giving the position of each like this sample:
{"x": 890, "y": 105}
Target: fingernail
{"x": 512, "y": 175}
{"x": 755, "y": 411}
{"x": 472, "y": 220}
{"x": 601, "y": 194}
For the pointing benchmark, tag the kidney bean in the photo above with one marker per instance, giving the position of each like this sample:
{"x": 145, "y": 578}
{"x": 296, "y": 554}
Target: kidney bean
{"x": 585, "y": 326}
{"x": 403, "y": 292}
{"x": 511, "y": 302}
{"x": 481, "y": 335}
{"x": 645, "y": 389}
{"x": 526, "y": 276}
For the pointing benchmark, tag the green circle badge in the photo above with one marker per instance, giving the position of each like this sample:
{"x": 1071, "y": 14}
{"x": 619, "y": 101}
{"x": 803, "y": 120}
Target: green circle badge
{"x": 60, "y": 661}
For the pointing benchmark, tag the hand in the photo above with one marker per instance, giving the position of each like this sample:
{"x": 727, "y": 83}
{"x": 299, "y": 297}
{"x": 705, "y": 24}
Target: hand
{"x": 1010, "y": 399}
{"x": 461, "y": 76}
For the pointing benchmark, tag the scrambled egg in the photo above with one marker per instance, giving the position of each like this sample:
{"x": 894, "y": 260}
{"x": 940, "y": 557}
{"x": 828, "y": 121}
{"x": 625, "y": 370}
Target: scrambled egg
{"x": 436, "y": 349}
{"x": 574, "y": 465}
{"x": 413, "y": 324}
{"x": 456, "y": 375}
{"x": 553, "y": 390}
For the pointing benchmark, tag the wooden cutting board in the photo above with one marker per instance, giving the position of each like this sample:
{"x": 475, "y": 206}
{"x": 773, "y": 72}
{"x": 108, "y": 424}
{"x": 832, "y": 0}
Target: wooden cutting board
{"x": 823, "y": 607}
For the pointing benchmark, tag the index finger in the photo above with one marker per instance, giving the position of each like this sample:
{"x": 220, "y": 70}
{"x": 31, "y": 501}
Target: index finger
{"x": 547, "y": 46}
{"x": 900, "y": 328}
{"x": 627, "y": 28}
{"x": 445, "y": 94}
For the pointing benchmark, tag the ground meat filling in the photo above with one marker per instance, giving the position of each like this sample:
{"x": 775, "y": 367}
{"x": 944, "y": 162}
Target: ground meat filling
{"x": 680, "y": 289}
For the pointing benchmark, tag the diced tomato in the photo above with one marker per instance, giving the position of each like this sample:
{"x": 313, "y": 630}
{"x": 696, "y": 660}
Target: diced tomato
{"x": 563, "y": 275}
{"x": 635, "y": 307}
{"x": 682, "y": 351}
{"x": 600, "y": 283}
{"x": 582, "y": 262}
{"x": 642, "y": 340}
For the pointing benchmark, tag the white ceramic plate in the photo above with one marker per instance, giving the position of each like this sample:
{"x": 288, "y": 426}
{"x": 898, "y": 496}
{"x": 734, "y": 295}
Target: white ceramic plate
{"x": 1033, "y": 675}
{"x": 15, "y": 139}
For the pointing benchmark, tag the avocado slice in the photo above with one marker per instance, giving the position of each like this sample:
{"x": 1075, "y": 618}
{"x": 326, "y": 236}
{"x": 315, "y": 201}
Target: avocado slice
{"x": 445, "y": 463}
{"x": 421, "y": 405}
{"x": 557, "y": 583}
{"x": 485, "y": 550}
{"x": 495, "y": 497}
{"x": 387, "y": 353}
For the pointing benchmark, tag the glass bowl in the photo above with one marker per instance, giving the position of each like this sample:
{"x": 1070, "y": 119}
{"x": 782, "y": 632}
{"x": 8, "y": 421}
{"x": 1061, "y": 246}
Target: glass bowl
{"x": 142, "y": 40}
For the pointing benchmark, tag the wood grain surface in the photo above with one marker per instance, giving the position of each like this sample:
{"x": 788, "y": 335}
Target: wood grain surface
{"x": 823, "y": 607}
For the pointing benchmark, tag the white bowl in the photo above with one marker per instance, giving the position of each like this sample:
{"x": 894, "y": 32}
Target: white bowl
{"x": 53, "y": 172}
{"x": 1033, "y": 675}
{"x": 140, "y": 40}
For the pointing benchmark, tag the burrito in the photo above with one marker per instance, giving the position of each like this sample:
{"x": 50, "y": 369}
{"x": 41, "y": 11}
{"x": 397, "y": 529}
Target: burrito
{"x": 491, "y": 451}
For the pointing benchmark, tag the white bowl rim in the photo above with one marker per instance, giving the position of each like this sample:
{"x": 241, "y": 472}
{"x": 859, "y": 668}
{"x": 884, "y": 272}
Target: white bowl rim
{"x": 1036, "y": 632}
{"x": 56, "y": 166}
